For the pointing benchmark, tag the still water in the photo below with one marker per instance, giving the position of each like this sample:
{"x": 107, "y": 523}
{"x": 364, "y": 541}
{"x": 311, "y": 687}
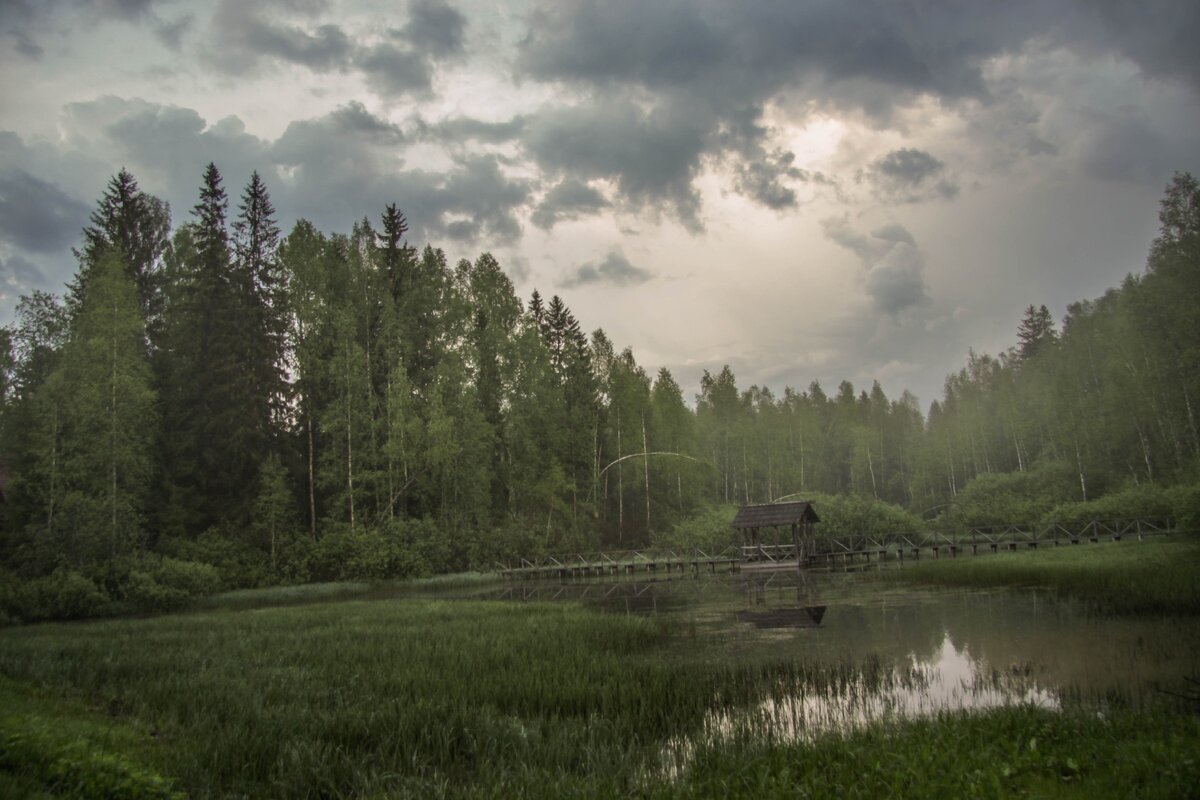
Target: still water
{"x": 878, "y": 650}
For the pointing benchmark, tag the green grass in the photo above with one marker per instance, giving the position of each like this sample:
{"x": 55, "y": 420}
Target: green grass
{"x": 1155, "y": 577}
{"x": 1013, "y": 752}
{"x": 305, "y": 593}
{"x": 402, "y": 696}
{"x": 50, "y": 747}
{"x": 416, "y": 698}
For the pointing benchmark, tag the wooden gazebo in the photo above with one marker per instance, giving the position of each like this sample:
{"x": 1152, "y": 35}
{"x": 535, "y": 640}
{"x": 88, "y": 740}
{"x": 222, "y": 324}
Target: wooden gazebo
{"x": 799, "y": 516}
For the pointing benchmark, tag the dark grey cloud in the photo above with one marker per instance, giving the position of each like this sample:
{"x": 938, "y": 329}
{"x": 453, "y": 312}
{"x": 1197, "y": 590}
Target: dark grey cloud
{"x": 393, "y": 71}
{"x": 893, "y": 265}
{"x": 435, "y": 27}
{"x": 1127, "y": 147}
{"x": 725, "y": 62}
{"x": 28, "y": 20}
{"x": 1160, "y": 36}
{"x": 171, "y": 33}
{"x": 652, "y": 155}
{"x": 909, "y": 175}
{"x": 333, "y": 169}
{"x": 37, "y": 216}
{"x": 399, "y": 63}
{"x": 570, "y": 199}
{"x": 25, "y": 45}
{"x": 347, "y": 163}
{"x": 457, "y": 130}
{"x": 19, "y": 275}
{"x": 243, "y": 35}
{"x": 614, "y": 270}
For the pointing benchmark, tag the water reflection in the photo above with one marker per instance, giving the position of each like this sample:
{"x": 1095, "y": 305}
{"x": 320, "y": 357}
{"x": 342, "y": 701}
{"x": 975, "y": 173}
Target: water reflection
{"x": 951, "y": 679}
{"x": 801, "y": 617}
{"x": 1061, "y": 648}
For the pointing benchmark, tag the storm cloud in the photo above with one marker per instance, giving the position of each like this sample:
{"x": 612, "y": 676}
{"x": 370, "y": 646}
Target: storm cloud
{"x": 893, "y": 265}
{"x": 909, "y": 175}
{"x": 570, "y": 199}
{"x": 614, "y": 270}
{"x": 35, "y": 215}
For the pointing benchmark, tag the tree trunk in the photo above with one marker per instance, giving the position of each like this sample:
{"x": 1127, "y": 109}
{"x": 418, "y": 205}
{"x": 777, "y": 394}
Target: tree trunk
{"x": 312, "y": 492}
{"x": 646, "y": 469}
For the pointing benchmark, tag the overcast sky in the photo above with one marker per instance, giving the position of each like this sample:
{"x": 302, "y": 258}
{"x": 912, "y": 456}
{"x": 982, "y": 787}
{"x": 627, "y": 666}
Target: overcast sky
{"x": 802, "y": 190}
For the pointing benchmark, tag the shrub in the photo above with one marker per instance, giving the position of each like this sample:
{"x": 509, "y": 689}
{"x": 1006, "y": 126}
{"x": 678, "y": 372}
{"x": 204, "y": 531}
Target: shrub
{"x": 1013, "y": 497}
{"x": 1145, "y": 501}
{"x": 708, "y": 529}
{"x": 239, "y": 565}
{"x": 848, "y": 515}
{"x": 64, "y": 594}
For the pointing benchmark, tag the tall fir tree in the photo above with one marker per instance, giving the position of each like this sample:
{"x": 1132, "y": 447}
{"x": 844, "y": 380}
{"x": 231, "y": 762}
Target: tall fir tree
{"x": 138, "y": 225}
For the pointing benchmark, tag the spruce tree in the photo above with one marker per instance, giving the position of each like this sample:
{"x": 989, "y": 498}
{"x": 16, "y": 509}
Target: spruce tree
{"x": 213, "y": 440}
{"x": 138, "y": 225}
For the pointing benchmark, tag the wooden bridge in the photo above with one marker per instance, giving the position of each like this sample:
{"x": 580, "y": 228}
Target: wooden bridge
{"x": 624, "y": 562}
{"x": 898, "y": 546}
{"x": 832, "y": 551}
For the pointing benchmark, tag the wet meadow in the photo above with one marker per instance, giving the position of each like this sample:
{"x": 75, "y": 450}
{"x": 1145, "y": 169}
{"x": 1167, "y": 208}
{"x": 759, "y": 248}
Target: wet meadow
{"x": 862, "y": 684}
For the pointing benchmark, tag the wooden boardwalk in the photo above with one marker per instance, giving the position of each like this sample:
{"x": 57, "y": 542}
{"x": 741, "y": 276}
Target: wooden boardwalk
{"x": 832, "y": 552}
{"x": 992, "y": 539}
{"x": 624, "y": 562}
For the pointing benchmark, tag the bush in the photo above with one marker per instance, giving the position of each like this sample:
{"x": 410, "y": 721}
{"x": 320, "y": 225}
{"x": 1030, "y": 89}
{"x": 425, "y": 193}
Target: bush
{"x": 848, "y": 515}
{"x": 64, "y": 594}
{"x": 239, "y": 565}
{"x": 158, "y": 583}
{"x": 1014, "y": 497}
{"x": 1144, "y": 501}
{"x": 709, "y": 529}
{"x": 396, "y": 550}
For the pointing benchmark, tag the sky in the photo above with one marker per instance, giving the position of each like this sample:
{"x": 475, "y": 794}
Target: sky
{"x": 802, "y": 190}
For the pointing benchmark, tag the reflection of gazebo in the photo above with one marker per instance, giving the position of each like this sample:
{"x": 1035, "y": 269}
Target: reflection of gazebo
{"x": 799, "y": 516}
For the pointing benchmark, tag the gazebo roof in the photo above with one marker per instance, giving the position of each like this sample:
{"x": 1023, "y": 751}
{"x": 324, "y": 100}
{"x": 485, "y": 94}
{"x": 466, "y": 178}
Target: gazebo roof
{"x": 775, "y": 514}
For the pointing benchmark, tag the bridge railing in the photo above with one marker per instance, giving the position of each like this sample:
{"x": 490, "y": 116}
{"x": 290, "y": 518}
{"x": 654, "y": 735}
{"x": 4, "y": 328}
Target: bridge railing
{"x": 639, "y": 557}
{"x": 1013, "y": 533}
{"x": 990, "y": 535}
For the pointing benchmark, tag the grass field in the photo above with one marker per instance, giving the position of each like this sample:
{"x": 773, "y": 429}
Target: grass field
{"x": 418, "y": 698}
{"x": 1153, "y": 577}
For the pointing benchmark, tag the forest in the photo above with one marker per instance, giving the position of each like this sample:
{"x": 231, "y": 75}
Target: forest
{"x": 215, "y": 403}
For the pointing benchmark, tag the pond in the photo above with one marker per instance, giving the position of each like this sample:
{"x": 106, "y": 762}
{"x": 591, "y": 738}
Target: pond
{"x": 876, "y": 649}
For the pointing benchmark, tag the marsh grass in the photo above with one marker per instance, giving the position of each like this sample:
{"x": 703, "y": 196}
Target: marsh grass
{"x": 413, "y": 697}
{"x": 1008, "y": 752}
{"x": 301, "y": 594}
{"x": 360, "y": 698}
{"x": 1159, "y": 577}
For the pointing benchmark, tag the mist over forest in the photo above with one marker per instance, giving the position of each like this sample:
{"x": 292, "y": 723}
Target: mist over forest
{"x": 214, "y": 402}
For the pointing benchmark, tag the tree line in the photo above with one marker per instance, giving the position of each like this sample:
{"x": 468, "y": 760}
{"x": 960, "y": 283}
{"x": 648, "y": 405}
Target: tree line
{"x": 321, "y": 405}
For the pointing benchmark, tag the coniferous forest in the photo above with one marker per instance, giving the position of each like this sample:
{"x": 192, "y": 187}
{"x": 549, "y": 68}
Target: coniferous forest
{"x": 216, "y": 403}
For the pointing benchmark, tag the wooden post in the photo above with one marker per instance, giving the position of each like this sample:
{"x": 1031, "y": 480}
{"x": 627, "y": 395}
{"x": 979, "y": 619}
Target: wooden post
{"x": 796, "y": 542}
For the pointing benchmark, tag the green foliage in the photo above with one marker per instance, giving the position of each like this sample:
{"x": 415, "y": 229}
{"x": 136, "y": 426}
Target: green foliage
{"x": 54, "y": 748}
{"x": 398, "y": 549}
{"x": 64, "y": 594}
{"x": 709, "y": 529}
{"x": 239, "y": 564}
{"x": 850, "y": 515}
{"x": 1145, "y": 502}
{"x": 1019, "y": 498}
